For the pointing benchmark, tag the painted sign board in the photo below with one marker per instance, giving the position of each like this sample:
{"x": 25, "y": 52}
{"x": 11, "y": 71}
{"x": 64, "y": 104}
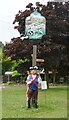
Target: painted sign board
{"x": 43, "y": 85}
{"x": 35, "y": 26}
{"x": 40, "y": 60}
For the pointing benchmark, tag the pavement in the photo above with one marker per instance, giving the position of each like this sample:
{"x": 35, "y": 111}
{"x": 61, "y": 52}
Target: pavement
{"x": 1, "y": 86}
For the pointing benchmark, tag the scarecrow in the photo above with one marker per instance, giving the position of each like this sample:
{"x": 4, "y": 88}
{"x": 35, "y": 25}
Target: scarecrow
{"x": 32, "y": 82}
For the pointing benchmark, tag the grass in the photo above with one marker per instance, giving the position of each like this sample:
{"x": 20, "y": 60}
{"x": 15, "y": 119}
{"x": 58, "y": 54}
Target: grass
{"x": 52, "y": 103}
{"x": 0, "y": 103}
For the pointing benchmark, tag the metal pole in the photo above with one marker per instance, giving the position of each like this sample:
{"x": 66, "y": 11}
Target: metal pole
{"x": 34, "y": 55}
{"x": 45, "y": 96}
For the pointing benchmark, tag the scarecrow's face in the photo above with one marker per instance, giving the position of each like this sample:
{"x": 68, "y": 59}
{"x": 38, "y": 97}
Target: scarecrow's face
{"x": 34, "y": 72}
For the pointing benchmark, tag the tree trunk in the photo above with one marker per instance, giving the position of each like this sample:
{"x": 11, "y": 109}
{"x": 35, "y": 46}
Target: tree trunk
{"x": 54, "y": 76}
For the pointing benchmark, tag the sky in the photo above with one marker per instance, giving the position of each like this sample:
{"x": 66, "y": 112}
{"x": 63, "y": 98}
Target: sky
{"x": 8, "y": 10}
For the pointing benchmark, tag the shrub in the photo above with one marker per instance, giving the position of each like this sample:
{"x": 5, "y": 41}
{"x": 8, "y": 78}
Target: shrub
{"x": 11, "y": 82}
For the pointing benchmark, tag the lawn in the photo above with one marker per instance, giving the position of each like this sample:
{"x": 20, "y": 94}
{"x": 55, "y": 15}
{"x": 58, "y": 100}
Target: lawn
{"x": 52, "y": 103}
{"x": 0, "y": 102}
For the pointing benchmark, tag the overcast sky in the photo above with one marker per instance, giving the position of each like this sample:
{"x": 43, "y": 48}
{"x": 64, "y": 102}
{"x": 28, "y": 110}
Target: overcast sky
{"x": 8, "y": 10}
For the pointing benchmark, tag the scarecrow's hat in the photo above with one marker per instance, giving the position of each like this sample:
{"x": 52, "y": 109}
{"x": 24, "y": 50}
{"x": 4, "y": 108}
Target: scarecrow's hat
{"x": 34, "y": 70}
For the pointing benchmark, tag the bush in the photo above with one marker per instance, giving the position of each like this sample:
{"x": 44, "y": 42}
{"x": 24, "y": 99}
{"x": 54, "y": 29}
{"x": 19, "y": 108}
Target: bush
{"x": 61, "y": 80}
{"x": 11, "y": 82}
{"x": 1, "y": 81}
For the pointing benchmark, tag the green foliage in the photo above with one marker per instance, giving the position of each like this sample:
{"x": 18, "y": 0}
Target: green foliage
{"x": 1, "y": 81}
{"x": 0, "y": 68}
{"x": 11, "y": 65}
{"x": 7, "y": 59}
{"x": 6, "y": 65}
{"x": 0, "y": 55}
{"x": 22, "y": 79}
{"x": 15, "y": 73}
{"x": 16, "y": 66}
{"x": 11, "y": 82}
{"x": 20, "y": 61}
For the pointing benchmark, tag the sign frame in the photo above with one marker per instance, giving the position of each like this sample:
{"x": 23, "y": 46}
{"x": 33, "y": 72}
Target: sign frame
{"x": 35, "y": 26}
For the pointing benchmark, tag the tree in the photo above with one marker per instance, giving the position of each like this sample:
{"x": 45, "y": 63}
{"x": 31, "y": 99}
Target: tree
{"x": 6, "y": 65}
{"x": 53, "y": 45}
{"x": 19, "y": 49}
{"x": 1, "y": 58}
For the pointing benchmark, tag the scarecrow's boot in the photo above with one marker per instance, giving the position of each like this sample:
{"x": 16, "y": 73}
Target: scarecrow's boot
{"x": 36, "y": 106}
{"x": 29, "y": 104}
